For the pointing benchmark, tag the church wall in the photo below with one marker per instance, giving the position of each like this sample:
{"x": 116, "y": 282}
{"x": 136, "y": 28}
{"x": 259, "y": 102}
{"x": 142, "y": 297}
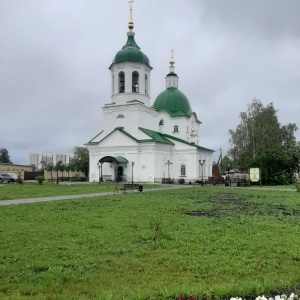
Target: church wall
{"x": 163, "y": 153}
{"x": 184, "y": 124}
{"x": 130, "y": 117}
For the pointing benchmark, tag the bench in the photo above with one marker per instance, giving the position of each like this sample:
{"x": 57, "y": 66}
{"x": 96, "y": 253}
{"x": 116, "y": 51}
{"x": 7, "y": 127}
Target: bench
{"x": 107, "y": 178}
{"x": 131, "y": 187}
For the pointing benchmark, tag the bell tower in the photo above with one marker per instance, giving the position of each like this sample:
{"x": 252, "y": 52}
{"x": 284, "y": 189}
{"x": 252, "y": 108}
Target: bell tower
{"x": 130, "y": 72}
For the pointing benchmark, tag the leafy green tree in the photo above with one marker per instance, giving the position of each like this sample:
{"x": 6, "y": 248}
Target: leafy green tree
{"x": 227, "y": 163}
{"x": 4, "y": 156}
{"x": 260, "y": 141}
{"x": 80, "y": 162}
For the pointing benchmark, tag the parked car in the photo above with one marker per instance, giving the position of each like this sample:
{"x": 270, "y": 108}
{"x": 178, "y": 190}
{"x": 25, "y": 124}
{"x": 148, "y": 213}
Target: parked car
{"x": 8, "y": 177}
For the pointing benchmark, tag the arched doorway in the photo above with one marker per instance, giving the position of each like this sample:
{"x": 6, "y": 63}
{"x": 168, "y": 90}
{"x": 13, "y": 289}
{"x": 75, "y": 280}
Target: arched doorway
{"x": 116, "y": 168}
{"x": 120, "y": 173}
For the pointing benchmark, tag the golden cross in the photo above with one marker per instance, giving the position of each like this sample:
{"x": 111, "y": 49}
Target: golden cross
{"x": 172, "y": 53}
{"x": 130, "y": 2}
{"x": 172, "y": 59}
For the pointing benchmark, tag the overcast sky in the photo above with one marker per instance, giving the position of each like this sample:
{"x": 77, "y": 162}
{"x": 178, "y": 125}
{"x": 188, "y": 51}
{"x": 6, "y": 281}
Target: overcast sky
{"x": 55, "y": 54}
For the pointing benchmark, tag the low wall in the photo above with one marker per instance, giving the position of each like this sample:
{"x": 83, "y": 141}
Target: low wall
{"x": 64, "y": 174}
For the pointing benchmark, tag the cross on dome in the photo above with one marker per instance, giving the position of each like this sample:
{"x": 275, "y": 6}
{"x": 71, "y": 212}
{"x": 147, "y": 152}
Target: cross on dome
{"x": 172, "y": 62}
{"x": 130, "y": 24}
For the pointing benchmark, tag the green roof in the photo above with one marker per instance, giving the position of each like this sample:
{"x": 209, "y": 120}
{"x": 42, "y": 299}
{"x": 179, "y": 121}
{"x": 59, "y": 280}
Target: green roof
{"x": 117, "y": 159}
{"x": 155, "y": 137}
{"x": 121, "y": 159}
{"x": 131, "y": 52}
{"x": 172, "y": 74}
{"x": 185, "y": 142}
{"x": 174, "y": 102}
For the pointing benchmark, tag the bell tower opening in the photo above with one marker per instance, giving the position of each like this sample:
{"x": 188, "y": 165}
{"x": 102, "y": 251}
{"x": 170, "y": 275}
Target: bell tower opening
{"x": 122, "y": 82}
{"x": 135, "y": 82}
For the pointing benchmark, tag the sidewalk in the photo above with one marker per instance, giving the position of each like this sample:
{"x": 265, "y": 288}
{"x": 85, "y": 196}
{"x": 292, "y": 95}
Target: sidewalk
{"x": 71, "y": 197}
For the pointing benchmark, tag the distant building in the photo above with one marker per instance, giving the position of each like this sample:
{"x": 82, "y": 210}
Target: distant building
{"x": 38, "y": 159}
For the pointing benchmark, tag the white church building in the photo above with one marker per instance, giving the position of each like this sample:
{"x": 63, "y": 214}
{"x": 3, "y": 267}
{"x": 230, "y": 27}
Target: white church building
{"x": 144, "y": 142}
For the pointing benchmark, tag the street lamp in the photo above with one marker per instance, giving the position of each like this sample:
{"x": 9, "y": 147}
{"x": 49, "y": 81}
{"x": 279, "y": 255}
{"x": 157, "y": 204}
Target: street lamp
{"x": 132, "y": 164}
{"x": 201, "y": 163}
{"x": 99, "y": 166}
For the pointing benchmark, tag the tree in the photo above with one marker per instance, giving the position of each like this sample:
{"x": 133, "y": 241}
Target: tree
{"x": 227, "y": 163}
{"x": 80, "y": 161}
{"x": 4, "y": 156}
{"x": 260, "y": 141}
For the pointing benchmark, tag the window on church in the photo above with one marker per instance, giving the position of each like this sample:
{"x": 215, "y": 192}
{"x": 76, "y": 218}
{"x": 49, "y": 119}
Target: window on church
{"x": 135, "y": 82}
{"x": 146, "y": 84}
{"x": 161, "y": 122}
{"x": 120, "y": 116}
{"x": 182, "y": 170}
{"x": 121, "y": 82}
{"x": 176, "y": 128}
{"x": 113, "y": 85}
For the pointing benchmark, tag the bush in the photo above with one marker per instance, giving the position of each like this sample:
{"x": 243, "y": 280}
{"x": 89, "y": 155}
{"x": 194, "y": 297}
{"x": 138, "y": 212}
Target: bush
{"x": 76, "y": 177}
{"x": 19, "y": 179}
{"x": 40, "y": 179}
{"x": 181, "y": 181}
{"x": 297, "y": 184}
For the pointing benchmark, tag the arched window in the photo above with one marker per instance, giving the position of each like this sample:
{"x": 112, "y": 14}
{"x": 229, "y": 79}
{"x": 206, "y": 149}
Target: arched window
{"x": 161, "y": 122}
{"x": 121, "y": 82}
{"x": 135, "y": 82}
{"x": 146, "y": 84}
{"x": 182, "y": 170}
{"x": 120, "y": 116}
{"x": 176, "y": 128}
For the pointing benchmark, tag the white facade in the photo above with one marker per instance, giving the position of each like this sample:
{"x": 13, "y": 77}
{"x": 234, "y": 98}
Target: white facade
{"x": 141, "y": 142}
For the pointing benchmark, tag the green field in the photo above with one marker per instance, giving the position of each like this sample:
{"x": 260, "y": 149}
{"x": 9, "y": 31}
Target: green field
{"x": 210, "y": 242}
{"x": 33, "y": 190}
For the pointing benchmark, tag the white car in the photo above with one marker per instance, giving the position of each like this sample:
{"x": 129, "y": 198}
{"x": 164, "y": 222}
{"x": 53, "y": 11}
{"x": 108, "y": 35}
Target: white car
{"x": 8, "y": 177}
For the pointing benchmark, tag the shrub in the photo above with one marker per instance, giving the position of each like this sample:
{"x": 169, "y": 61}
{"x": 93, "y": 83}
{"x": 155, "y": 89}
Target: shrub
{"x": 297, "y": 185}
{"x": 19, "y": 179}
{"x": 77, "y": 177}
{"x": 181, "y": 181}
{"x": 40, "y": 179}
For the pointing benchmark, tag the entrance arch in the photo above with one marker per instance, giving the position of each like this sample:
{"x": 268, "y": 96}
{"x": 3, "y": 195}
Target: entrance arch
{"x": 119, "y": 161}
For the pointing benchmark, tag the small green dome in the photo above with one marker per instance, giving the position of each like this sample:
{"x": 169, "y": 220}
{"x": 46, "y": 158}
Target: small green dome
{"x": 174, "y": 102}
{"x": 131, "y": 52}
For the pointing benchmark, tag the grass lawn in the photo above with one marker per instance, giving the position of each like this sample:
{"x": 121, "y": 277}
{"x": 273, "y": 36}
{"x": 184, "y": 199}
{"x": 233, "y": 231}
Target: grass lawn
{"x": 33, "y": 190}
{"x": 207, "y": 242}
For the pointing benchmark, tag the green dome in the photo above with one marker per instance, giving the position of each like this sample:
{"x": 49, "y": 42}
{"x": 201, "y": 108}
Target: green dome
{"x": 174, "y": 102}
{"x": 131, "y": 52}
